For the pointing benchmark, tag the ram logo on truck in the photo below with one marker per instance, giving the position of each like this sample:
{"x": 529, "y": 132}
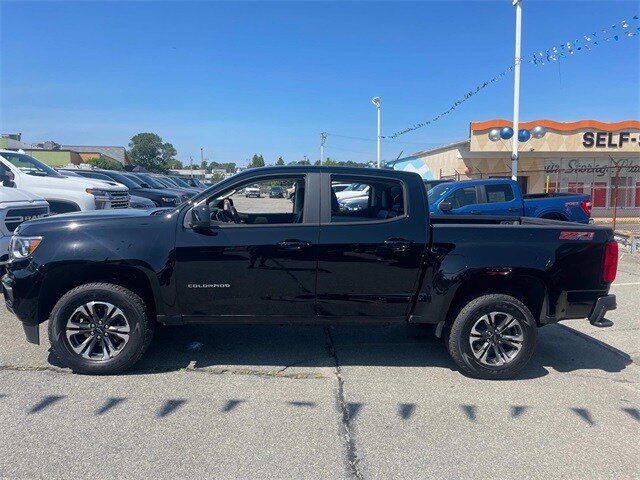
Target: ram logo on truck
{"x": 24, "y": 218}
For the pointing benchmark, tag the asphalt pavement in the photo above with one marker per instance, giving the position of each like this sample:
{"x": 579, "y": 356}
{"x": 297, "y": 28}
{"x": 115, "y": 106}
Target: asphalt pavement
{"x": 325, "y": 403}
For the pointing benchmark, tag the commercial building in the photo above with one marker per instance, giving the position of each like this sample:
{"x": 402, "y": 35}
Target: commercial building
{"x": 56, "y": 155}
{"x": 587, "y": 156}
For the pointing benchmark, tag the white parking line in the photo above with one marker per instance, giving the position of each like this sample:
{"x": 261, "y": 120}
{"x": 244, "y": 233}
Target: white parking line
{"x": 625, "y": 284}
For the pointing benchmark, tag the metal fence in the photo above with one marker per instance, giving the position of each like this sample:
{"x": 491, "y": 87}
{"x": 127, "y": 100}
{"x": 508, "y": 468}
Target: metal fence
{"x": 614, "y": 191}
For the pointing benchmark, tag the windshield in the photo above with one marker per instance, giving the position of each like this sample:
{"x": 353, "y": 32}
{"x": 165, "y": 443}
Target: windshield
{"x": 168, "y": 181}
{"x": 133, "y": 178}
{"x": 30, "y": 165}
{"x": 126, "y": 181}
{"x": 438, "y": 191}
{"x": 164, "y": 182}
{"x": 180, "y": 182}
{"x": 150, "y": 181}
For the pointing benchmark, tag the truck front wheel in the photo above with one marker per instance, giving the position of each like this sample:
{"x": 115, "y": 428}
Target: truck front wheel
{"x": 100, "y": 329}
{"x": 493, "y": 337}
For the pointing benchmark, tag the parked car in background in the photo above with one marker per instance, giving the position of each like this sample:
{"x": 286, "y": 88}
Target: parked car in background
{"x": 17, "y": 206}
{"x": 171, "y": 183}
{"x": 141, "y": 202}
{"x": 64, "y": 194}
{"x": 502, "y": 197}
{"x": 277, "y": 192}
{"x": 252, "y": 191}
{"x": 159, "y": 198}
{"x": 193, "y": 182}
{"x": 338, "y": 187}
{"x": 148, "y": 181}
{"x": 429, "y": 184}
{"x": 187, "y": 182}
{"x": 353, "y": 190}
{"x": 353, "y": 204}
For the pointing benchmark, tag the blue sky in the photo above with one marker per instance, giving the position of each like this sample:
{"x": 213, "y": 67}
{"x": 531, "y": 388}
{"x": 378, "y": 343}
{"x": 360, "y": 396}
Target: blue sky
{"x": 238, "y": 78}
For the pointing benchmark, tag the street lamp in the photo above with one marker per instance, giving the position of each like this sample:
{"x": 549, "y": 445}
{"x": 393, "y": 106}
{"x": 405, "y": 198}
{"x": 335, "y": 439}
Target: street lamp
{"x": 516, "y": 88}
{"x": 376, "y": 102}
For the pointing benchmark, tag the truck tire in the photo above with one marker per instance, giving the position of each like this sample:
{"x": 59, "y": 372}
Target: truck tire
{"x": 100, "y": 329}
{"x": 493, "y": 337}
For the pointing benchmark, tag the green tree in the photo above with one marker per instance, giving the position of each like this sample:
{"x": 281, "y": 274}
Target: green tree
{"x": 216, "y": 177}
{"x": 175, "y": 165}
{"x": 149, "y": 151}
{"x": 256, "y": 161}
{"x": 104, "y": 163}
{"x": 280, "y": 161}
{"x": 204, "y": 165}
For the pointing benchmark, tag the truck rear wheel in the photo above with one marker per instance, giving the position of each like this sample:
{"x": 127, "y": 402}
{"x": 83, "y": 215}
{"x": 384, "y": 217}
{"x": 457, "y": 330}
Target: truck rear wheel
{"x": 493, "y": 337}
{"x": 100, "y": 329}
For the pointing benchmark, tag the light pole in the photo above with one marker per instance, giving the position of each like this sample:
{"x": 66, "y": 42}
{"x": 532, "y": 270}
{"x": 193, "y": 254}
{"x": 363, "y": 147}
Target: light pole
{"x": 376, "y": 102}
{"x": 516, "y": 89}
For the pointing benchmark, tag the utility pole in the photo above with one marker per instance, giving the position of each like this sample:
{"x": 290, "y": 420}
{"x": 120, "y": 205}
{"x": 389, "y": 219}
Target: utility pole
{"x": 191, "y": 165}
{"x": 323, "y": 137}
{"x": 201, "y": 159}
{"x": 305, "y": 160}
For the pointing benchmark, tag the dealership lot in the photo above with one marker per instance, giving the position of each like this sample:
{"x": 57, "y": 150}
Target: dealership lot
{"x": 311, "y": 402}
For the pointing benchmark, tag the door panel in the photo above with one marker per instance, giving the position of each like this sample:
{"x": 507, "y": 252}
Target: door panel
{"x": 500, "y": 200}
{"x": 247, "y": 271}
{"x": 369, "y": 266}
{"x": 264, "y": 266}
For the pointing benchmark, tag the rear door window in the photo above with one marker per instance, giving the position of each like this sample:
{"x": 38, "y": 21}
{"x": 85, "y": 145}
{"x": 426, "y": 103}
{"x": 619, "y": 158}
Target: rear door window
{"x": 499, "y": 193}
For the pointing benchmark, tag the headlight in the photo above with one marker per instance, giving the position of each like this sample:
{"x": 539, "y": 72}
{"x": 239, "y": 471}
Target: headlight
{"x": 97, "y": 193}
{"x": 22, "y": 247}
{"x": 173, "y": 200}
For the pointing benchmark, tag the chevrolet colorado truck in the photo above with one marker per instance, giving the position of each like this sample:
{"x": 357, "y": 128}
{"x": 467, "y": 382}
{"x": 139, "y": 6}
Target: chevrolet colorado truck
{"x": 503, "y": 197}
{"x": 485, "y": 283}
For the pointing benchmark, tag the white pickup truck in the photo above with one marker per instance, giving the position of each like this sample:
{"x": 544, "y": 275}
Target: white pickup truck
{"x": 252, "y": 191}
{"x": 64, "y": 194}
{"x": 17, "y": 206}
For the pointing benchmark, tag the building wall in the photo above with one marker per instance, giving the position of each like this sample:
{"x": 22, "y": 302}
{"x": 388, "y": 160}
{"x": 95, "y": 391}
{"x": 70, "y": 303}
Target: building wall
{"x": 55, "y": 158}
{"x": 587, "y": 156}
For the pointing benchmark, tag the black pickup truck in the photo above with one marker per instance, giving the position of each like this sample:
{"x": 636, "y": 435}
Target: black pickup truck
{"x": 103, "y": 279}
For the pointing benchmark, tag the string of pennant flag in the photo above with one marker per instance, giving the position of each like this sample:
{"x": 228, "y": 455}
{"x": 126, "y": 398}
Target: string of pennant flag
{"x": 613, "y": 33}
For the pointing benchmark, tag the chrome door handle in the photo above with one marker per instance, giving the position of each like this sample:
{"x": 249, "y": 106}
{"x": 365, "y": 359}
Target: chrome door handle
{"x": 294, "y": 245}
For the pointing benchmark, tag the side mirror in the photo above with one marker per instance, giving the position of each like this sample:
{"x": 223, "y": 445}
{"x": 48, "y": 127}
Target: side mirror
{"x": 200, "y": 217}
{"x": 445, "y": 206}
{"x": 145, "y": 185}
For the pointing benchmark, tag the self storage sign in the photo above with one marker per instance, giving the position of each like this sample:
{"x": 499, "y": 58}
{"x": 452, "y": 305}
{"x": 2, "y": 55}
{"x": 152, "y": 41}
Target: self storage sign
{"x": 610, "y": 139}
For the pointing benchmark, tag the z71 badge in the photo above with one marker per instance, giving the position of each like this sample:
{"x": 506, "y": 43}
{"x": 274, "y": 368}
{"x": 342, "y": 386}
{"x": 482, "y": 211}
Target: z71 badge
{"x": 576, "y": 235}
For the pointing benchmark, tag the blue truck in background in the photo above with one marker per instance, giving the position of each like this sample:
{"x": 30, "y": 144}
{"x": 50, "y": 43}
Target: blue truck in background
{"x": 502, "y": 197}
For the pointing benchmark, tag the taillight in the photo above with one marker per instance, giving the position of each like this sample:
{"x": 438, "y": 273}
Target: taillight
{"x": 586, "y": 206}
{"x": 610, "y": 266}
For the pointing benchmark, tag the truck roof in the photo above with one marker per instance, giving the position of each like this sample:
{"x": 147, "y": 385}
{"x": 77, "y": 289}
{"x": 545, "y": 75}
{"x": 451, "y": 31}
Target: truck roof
{"x": 485, "y": 181}
{"x": 301, "y": 169}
